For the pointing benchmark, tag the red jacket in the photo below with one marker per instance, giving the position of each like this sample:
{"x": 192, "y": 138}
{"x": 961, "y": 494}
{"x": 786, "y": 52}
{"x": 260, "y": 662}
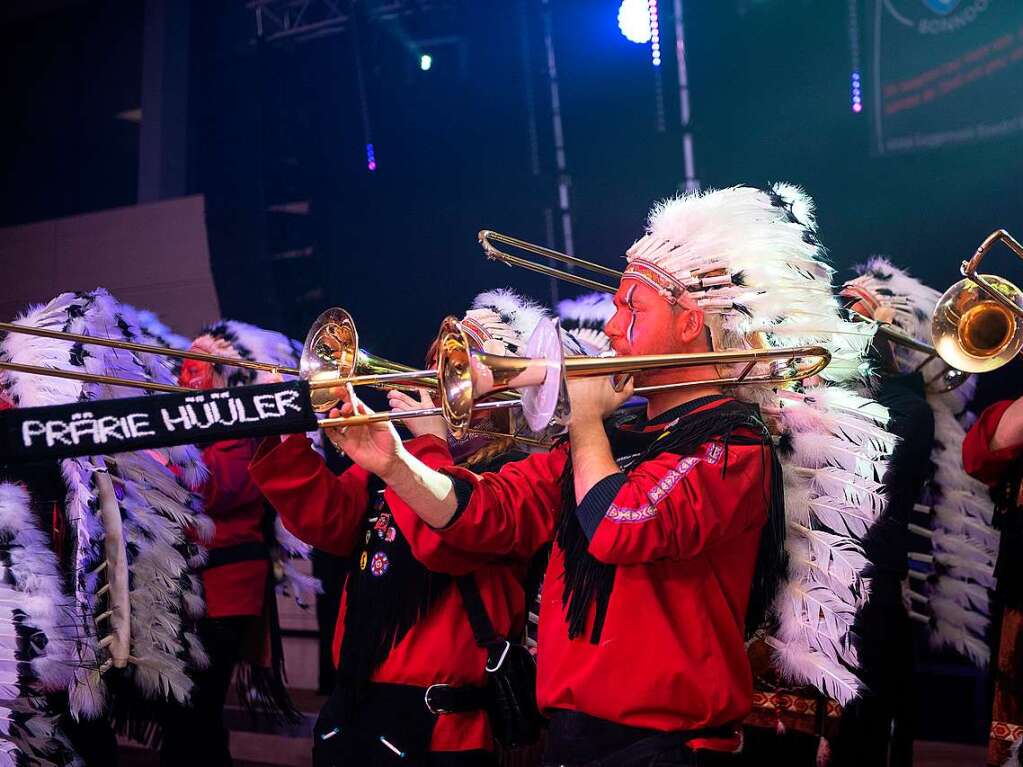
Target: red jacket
{"x": 979, "y": 460}
{"x": 671, "y": 655}
{"x": 327, "y": 511}
{"x": 237, "y": 508}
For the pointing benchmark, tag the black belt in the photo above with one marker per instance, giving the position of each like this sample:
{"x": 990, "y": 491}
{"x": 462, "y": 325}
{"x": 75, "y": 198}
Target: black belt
{"x": 239, "y": 552}
{"x": 579, "y": 739}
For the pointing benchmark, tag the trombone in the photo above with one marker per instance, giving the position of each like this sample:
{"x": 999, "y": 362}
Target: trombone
{"x": 330, "y": 358}
{"x": 948, "y": 379}
{"x": 466, "y": 375}
{"x": 978, "y": 322}
{"x": 788, "y": 364}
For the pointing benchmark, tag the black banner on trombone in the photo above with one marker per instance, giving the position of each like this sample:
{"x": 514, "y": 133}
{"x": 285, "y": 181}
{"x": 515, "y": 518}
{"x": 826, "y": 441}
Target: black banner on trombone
{"x": 137, "y": 423}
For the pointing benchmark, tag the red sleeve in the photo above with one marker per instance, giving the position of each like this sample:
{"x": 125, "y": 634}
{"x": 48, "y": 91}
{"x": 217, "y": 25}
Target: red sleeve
{"x": 675, "y": 507}
{"x": 512, "y": 512}
{"x": 428, "y": 546}
{"x": 229, "y": 484}
{"x": 323, "y": 509}
{"x": 979, "y": 460}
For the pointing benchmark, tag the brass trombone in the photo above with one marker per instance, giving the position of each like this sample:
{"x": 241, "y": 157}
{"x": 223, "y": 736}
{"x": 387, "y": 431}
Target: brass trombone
{"x": 330, "y": 358}
{"x": 467, "y": 375}
{"x": 787, "y": 363}
{"x": 464, "y": 375}
{"x": 947, "y": 379}
{"x": 978, "y": 323}
{"x": 134, "y": 346}
{"x": 487, "y": 239}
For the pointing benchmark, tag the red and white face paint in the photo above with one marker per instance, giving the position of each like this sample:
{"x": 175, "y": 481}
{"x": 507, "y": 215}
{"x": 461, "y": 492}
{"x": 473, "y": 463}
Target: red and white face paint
{"x": 197, "y": 375}
{"x": 644, "y": 322}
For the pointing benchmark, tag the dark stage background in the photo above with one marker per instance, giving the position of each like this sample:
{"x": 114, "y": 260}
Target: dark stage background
{"x": 110, "y": 103}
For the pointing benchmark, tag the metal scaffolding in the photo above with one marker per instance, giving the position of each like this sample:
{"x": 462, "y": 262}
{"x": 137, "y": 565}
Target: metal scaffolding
{"x": 301, "y": 20}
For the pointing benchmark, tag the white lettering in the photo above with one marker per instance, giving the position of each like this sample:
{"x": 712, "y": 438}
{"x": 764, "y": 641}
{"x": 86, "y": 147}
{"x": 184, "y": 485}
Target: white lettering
{"x": 286, "y": 401}
{"x": 57, "y": 431}
{"x": 138, "y": 424}
{"x": 220, "y": 416}
{"x": 195, "y": 419}
{"x": 109, "y": 428}
{"x": 82, "y": 425}
{"x": 265, "y": 406}
{"x": 238, "y": 408}
{"x": 171, "y": 422}
{"x": 30, "y": 430}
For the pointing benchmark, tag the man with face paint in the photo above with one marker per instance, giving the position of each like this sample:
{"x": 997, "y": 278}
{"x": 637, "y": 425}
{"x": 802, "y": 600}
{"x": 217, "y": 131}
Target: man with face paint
{"x": 241, "y": 629}
{"x": 667, "y": 524}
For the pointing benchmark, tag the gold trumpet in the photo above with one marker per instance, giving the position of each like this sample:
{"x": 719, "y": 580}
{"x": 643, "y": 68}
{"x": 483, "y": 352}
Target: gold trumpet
{"x": 978, "y": 323}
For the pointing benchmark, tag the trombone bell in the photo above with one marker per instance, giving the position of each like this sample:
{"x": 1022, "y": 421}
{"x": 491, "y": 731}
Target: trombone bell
{"x": 330, "y": 352}
{"x": 467, "y": 376}
{"x": 974, "y": 332}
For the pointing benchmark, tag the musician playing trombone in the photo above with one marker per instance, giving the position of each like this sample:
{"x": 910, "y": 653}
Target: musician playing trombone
{"x": 410, "y": 671}
{"x": 667, "y": 523}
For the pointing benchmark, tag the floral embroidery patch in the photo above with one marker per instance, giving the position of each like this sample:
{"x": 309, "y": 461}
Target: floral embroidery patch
{"x": 378, "y": 566}
{"x": 656, "y": 494}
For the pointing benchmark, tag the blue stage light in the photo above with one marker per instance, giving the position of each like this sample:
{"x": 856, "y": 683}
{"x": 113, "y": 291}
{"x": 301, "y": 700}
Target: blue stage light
{"x": 425, "y": 62}
{"x": 371, "y": 159}
{"x": 634, "y": 20}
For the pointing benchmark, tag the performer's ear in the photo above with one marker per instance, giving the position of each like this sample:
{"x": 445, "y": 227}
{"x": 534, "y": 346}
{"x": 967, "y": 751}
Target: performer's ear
{"x": 689, "y": 322}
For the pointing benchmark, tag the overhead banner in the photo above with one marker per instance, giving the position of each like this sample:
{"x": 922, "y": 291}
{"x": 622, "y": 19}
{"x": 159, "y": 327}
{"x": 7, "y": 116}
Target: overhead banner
{"x": 944, "y": 72}
{"x": 102, "y": 427}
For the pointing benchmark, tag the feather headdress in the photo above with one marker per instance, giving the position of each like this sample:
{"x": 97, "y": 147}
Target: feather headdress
{"x": 153, "y": 508}
{"x": 241, "y": 340}
{"x": 154, "y": 330}
{"x": 584, "y": 318}
{"x": 502, "y": 321}
{"x": 835, "y": 450}
{"x": 750, "y": 258}
{"x": 963, "y": 542}
{"x": 891, "y": 294}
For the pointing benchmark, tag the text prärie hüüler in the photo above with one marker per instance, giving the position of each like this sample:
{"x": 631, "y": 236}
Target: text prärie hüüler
{"x": 201, "y": 413}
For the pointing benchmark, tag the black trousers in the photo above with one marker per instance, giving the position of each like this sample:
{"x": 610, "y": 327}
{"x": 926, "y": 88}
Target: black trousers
{"x": 877, "y": 728}
{"x": 461, "y": 759}
{"x": 195, "y": 735}
{"x": 577, "y": 740}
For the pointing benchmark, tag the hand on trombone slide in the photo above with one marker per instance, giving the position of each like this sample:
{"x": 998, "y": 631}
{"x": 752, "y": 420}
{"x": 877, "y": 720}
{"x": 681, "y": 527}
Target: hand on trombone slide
{"x": 373, "y": 444}
{"x": 401, "y": 402}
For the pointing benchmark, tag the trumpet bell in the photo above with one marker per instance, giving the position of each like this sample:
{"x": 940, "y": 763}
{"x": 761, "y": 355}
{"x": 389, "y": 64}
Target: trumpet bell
{"x": 331, "y": 351}
{"x": 972, "y": 331}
